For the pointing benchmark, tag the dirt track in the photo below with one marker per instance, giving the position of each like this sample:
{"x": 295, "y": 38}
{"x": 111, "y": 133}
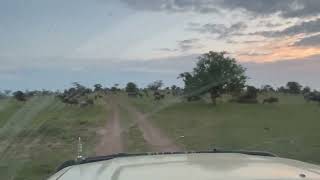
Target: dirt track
{"x": 155, "y": 138}
{"x": 111, "y": 141}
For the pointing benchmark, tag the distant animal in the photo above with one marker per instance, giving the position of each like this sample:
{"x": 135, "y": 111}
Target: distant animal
{"x": 83, "y": 104}
{"x": 132, "y": 94}
{"x": 86, "y": 103}
{"x": 71, "y": 101}
{"x": 313, "y": 96}
{"x": 158, "y": 96}
{"x": 193, "y": 98}
{"x": 97, "y": 96}
{"x": 270, "y": 100}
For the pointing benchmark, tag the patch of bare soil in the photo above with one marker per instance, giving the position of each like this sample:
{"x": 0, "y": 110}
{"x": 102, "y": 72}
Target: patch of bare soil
{"x": 111, "y": 141}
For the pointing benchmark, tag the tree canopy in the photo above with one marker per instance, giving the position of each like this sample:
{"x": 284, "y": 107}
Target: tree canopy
{"x": 293, "y": 87}
{"x": 19, "y": 95}
{"x": 215, "y": 73}
{"x": 131, "y": 87}
{"x": 97, "y": 87}
{"x": 156, "y": 85}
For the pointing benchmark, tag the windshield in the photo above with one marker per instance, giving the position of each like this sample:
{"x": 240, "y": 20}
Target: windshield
{"x": 85, "y": 78}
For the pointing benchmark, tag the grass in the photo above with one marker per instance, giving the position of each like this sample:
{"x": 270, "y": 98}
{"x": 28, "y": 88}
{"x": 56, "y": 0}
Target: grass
{"x": 42, "y": 133}
{"x": 7, "y": 108}
{"x": 289, "y": 129}
{"x": 132, "y": 136}
{"x": 38, "y": 135}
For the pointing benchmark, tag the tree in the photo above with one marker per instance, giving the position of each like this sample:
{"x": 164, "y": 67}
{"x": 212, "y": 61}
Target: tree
{"x": 249, "y": 96}
{"x": 282, "y": 89}
{"x": 156, "y": 85}
{"x": 2, "y": 95}
{"x": 174, "y": 90}
{"x": 7, "y": 92}
{"x": 306, "y": 90}
{"x": 115, "y": 88}
{"x": 215, "y": 74}
{"x": 97, "y": 87}
{"x": 267, "y": 88}
{"x": 173, "y": 87}
{"x": 294, "y": 87}
{"x": 131, "y": 88}
{"x": 19, "y": 95}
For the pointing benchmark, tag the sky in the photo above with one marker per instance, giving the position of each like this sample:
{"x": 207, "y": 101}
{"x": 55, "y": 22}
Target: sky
{"x": 50, "y": 44}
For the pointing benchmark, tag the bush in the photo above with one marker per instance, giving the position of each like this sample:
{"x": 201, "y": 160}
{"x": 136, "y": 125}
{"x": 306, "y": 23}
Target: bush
{"x": 270, "y": 100}
{"x": 249, "y": 96}
{"x": 19, "y": 95}
{"x": 193, "y": 98}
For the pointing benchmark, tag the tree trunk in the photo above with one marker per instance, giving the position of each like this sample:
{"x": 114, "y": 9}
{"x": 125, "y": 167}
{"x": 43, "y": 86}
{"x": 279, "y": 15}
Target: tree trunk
{"x": 213, "y": 98}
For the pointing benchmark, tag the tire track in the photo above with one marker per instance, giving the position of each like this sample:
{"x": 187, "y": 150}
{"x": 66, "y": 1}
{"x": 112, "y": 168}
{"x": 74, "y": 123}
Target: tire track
{"x": 111, "y": 140}
{"x": 156, "y": 139}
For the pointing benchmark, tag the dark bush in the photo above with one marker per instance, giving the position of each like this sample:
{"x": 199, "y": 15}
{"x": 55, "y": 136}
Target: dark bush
{"x": 249, "y": 96}
{"x": 20, "y": 96}
{"x": 270, "y": 100}
{"x": 193, "y": 98}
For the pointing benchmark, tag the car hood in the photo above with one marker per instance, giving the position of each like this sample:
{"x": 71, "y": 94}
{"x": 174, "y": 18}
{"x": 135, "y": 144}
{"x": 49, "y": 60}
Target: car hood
{"x": 205, "y": 166}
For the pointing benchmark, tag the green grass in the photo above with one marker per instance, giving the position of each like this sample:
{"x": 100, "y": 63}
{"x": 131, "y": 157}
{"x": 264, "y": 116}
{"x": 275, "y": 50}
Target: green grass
{"x": 38, "y": 135}
{"x": 289, "y": 129}
{"x": 132, "y": 136}
{"x": 42, "y": 133}
{"x": 7, "y": 108}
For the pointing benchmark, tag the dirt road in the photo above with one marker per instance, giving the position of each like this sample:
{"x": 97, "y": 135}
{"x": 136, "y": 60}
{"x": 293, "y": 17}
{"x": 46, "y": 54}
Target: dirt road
{"x": 156, "y": 139}
{"x": 111, "y": 141}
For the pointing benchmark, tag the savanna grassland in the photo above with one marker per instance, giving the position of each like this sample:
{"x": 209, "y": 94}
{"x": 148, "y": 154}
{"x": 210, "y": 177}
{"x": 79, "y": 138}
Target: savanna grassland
{"x": 39, "y": 134}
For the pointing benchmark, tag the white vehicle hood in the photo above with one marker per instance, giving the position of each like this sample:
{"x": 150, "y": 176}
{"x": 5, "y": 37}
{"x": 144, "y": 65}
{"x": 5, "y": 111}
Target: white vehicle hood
{"x": 206, "y": 166}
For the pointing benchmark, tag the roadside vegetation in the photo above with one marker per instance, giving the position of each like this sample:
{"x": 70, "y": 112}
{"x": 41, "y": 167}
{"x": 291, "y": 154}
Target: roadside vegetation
{"x": 42, "y": 133}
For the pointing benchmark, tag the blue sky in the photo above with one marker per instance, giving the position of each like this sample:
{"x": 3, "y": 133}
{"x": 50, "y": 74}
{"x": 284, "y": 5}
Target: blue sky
{"x": 50, "y": 44}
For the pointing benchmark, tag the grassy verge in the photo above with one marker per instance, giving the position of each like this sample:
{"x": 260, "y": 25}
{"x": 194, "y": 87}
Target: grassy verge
{"x": 43, "y": 133}
{"x": 287, "y": 129}
{"x": 7, "y": 108}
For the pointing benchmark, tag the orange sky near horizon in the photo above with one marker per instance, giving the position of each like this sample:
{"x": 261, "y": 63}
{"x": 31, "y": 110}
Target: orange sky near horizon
{"x": 277, "y": 50}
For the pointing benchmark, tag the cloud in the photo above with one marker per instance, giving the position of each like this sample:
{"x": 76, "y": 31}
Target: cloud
{"x": 168, "y": 50}
{"x": 184, "y": 45}
{"x": 286, "y": 8}
{"x": 312, "y": 41}
{"x": 189, "y": 44}
{"x": 269, "y": 24}
{"x": 304, "y": 70}
{"x": 306, "y": 27}
{"x": 220, "y": 30}
{"x": 200, "y": 6}
{"x": 255, "y": 53}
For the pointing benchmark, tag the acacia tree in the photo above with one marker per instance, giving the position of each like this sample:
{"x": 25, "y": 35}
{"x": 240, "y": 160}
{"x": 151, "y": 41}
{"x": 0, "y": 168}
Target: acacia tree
{"x": 294, "y": 87}
{"x": 97, "y": 87}
{"x": 306, "y": 90}
{"x": 156, "y": 85}
{"x": 131, "y": 87}
{"x": 19, "y": 95}
{"x": 216, "y": 74}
